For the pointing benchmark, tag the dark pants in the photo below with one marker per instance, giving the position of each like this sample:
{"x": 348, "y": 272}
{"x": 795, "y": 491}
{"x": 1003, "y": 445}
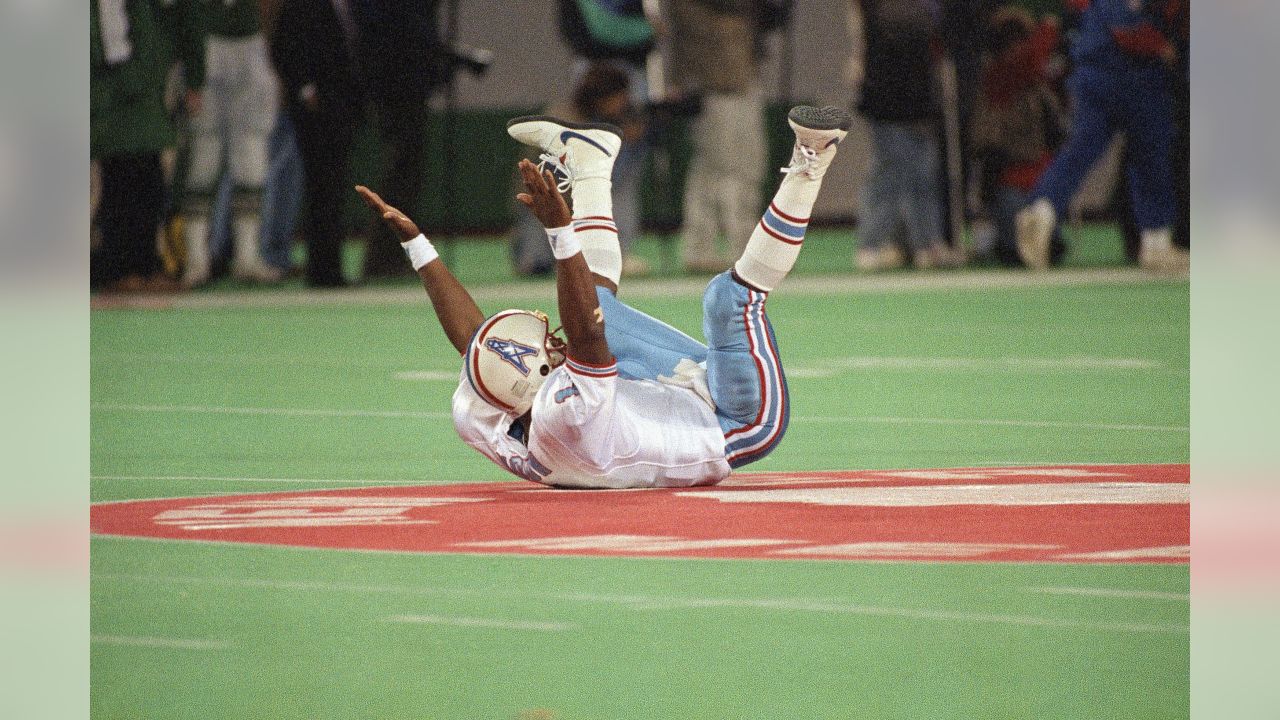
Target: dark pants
{"x": 1137, "y": 103}
{"x": 325, "y": 138}
{"x": 133, "y": 199}
{"x": 402, "y": 125}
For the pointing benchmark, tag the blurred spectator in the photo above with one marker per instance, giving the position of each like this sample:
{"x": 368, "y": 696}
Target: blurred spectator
{"x": 402, "y": 60}
{"x": 229, "y": 141}
{"x": 964, "y": 30}
{"x": 899, "y": 102}
{"x": 612, "y": 30}
{"x": 602, "y": 95}
{"x": 616, "y": 32}
{"x": 314, "y": 49}
{"x": 1120, "y": 84}
{"x": 716, "y": 52}
{"x": 281, "y": 190}
{"x": 1017, "y": 121}
{"x": 132, "y": 45}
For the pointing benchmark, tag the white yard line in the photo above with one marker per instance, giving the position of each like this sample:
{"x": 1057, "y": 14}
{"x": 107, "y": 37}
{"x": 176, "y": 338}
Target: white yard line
{"x": 159, "y": 642}
{"x": 644, "y": 602}
{"x": 476, "y": 622}
{"x": 1115, "y": 593}
{"x": 992, "y": 421}
{"x": 212, "y": 478}
{"x": 301, "y": 412}
{"x": 316, "y": 412}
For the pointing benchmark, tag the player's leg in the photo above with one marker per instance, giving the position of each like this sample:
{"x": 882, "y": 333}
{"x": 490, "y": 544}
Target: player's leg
{"x": 744, "y": 371}
{"x": 583, "y": 154}
{"x": 1091, "y": 132}
{"x": 775, "y": 242}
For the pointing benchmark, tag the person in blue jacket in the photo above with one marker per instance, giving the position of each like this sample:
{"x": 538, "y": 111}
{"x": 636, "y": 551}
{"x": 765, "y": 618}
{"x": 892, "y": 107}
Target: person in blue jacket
{"x": 1123, "y": 56}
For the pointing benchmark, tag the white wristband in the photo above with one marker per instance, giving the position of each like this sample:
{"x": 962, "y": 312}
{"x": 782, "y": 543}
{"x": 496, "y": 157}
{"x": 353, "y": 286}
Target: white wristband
{"x": 420, "y": 251}
{"x": 564, "y": 242}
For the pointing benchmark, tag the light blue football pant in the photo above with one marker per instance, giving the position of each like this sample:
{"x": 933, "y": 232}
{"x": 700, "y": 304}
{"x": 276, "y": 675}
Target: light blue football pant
{"x": 744, "y": 372}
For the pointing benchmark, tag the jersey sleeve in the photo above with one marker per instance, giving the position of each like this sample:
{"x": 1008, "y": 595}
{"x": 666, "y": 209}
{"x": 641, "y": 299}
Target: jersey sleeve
{"x": 486, "y": 428}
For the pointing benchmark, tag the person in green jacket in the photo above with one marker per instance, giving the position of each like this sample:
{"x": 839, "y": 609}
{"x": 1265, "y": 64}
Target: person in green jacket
{"x": 133, "y": 44}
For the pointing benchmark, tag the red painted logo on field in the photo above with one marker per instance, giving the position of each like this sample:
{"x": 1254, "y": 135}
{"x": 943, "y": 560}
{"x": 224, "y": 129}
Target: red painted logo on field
{"x": 1094, "y": 513}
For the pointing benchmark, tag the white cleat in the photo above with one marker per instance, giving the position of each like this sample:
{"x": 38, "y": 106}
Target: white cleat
{"x": 818, "y": 133}
{"x": 572, "y": 151}
{"x": 1034, "y": 231}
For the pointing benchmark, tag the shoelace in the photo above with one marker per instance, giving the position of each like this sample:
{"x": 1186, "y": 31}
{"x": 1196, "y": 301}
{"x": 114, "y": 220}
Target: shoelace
{"x": 564, "y": 176}
{"x": 808, "y": 157}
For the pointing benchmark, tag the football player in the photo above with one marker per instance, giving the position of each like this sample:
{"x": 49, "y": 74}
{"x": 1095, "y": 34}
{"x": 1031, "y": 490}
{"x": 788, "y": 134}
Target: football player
{"x": 625, "y": 400}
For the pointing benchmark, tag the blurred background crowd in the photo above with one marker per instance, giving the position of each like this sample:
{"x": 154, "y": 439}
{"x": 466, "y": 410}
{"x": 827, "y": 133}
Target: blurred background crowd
{"x": 226, "y": 134}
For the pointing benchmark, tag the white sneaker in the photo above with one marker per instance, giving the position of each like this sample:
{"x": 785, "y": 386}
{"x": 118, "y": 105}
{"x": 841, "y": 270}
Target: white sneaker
{"x": 572, "y": 151}
{"x": 818, "y": 133}
{"x": 1034, "y": 229}
{"x": 1165, "y": 261}
{"x": 938, "y": 255}
{"x": 869, "y": 259}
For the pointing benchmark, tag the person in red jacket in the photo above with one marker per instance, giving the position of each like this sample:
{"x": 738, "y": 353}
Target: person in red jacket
{"x": 1017, "y": 121}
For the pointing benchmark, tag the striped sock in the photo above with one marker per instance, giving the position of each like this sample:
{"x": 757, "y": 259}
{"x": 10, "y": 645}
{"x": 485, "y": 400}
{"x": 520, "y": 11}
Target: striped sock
{"x": 593, "y": 222}
{"x": 774, "y": 245}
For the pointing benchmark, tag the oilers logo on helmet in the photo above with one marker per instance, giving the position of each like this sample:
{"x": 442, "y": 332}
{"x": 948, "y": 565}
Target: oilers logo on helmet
{"x": 512, "y": 352}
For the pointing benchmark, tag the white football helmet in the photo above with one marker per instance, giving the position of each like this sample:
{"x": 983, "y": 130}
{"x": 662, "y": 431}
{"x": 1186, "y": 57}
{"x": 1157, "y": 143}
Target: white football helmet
{"x": 510, "y": 357}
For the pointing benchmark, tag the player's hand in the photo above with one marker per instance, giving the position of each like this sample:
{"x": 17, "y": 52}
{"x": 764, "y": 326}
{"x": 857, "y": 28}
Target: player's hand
{"x": 396, "y": 220}
{"x": 543, "y": 197}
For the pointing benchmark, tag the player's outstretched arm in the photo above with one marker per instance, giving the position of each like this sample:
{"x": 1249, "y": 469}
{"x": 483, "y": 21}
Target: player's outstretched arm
{"x": 457, "y": 311}
{"x": 580, "y": 313}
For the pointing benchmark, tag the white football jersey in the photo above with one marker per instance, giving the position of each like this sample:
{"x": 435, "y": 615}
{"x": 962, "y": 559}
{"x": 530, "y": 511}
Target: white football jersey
{"x": 591, "y": 428}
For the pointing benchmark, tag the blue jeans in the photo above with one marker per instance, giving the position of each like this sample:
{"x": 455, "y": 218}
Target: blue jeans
{"x": 902, "y": 189}
{"x": 1137, "y": 103}
{"x": 281, "y": 200}
{"x": 744, "y": 372}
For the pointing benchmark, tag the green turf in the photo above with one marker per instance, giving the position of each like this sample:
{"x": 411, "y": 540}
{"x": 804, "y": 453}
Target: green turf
{"x": 304, "y": 633}
{"x": 486, "y": 259}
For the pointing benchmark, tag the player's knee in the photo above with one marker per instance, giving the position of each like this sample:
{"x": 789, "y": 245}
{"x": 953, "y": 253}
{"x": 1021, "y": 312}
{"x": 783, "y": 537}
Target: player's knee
{"x": 723, "y": 306}
{"x": 734, "y": 382}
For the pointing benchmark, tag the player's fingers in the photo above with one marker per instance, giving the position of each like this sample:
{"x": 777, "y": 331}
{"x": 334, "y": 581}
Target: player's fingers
{"x": 553, "y": 188}
{"x": 529, "y": 176}
{"x": 367, "y": 195}
{"x": 539, "y": 184}
{"x": 525, "y": 198}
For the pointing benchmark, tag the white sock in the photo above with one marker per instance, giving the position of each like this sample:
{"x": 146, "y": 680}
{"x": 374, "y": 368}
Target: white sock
{"x": 593, "y": 222}
{"x": 1157, "y": 240}
{"x": 775, "y": 243}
